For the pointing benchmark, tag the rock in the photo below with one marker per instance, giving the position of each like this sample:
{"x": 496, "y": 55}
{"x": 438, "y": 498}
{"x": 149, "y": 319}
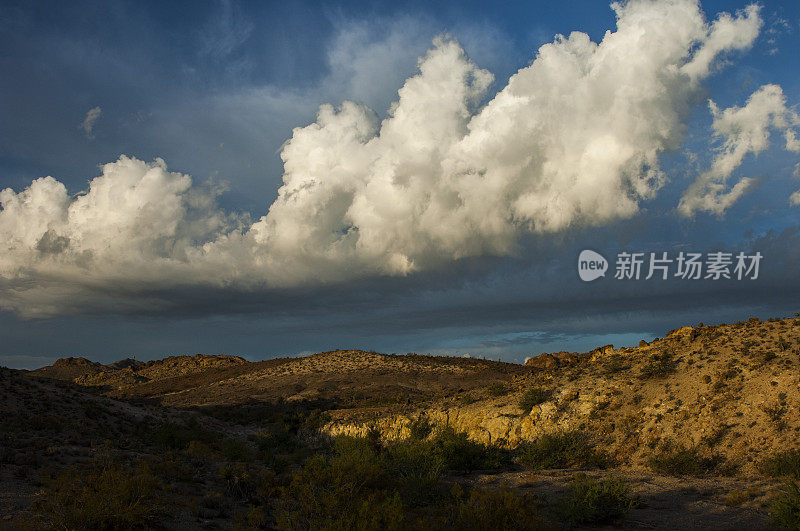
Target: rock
{"x": 684, "y": 331}
{"x": 543, "y": 361}
{"x": 601, "y": 352}
{"x": 127, "y": 363}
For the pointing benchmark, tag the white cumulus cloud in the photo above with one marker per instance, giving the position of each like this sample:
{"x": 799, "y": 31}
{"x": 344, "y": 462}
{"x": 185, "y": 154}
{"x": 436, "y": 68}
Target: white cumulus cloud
{"x": 744, "y": 130}
{"x": 88, "y": 123}
{"x": 571, "y": 140}
{"x": 794, "y": 199}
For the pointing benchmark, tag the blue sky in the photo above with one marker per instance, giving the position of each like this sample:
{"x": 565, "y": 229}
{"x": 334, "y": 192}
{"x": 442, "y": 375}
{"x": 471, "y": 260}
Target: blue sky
{"x": 215, "y": 89}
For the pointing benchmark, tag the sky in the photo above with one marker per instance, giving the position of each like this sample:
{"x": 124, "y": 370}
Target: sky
{"x": 273, "y": 179}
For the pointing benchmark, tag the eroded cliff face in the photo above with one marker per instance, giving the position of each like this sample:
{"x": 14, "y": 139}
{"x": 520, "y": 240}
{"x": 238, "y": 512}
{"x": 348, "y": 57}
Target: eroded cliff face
{"x": 730, "y": 390}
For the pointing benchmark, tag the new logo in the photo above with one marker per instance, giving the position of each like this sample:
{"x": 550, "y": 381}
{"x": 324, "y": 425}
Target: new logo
{"x": 591, "y": 265}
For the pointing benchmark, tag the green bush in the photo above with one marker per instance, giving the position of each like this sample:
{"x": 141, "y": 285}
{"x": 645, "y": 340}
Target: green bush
{"x": 498, "y": 389}
{"x": 785, "y": 510}
{"x": 570, "y": 449}
{"x": 105, "y": 495}
{"x": 280, "y": 447}
{"x": 254, "y": 518}
{"x": 362, "y": 483}
{"x": 416, "y": 470}
{"x": 533, "y": 397}
{"x": 457, "y": 452}
{"x": 466, "y": 399}
{"x": 658, "y": 366}
{"x": 178, "y": 436}
{"x": 782, "y": 464}
{"x": 681, "y": 461}
{"x": 615, "y": 364}
{"x": 248, "y": 483}
{"x": 491, "y": 509}
{"x": 200, "y": 451}
{"x": 737, "y": 497}
{"x": 352, "y": 488}
{"x": 776, "y": 413}
{"x": 237, "y": 450}
{"x": 280, "y": 440}
{"x": 420, "y": 427}
{"x": 592, "y": 501}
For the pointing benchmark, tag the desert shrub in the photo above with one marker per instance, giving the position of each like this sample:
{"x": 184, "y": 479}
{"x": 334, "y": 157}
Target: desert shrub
{"x": 716, "y": 436}
{"x": 763, "y": 357}
{"x": 170, "y": 467}
{"x": 737, "y": 497}
{"x": 279, "y": 440}
{"x": 237, "y": 450}
{"x": 352, "y": 488}
{"x": 491, "y": 509}
{"x": 457, "y": 452}
{"x": 248, "y": 483}
{"x": 199, "y": 451}
{"x": 106, "y": 494}
{"x": 313, "y": 419}
{"x": 466, "y": 399}
{"x": 776, "y": 413}
{"x": 374, "y": 436}
{"x": 254, "y": 518}
{"x": 498, "y": 389}
{"x": 420, "y": 427}
{"x": 282, "y": 446}
{"x": 681, "y": 461}
{"x": 533, "y": 397}
{"x": 593, "y": 501}
{"x": 658, "y": 366}
{"x": 178, "y": 436}
{"x": 615, "y": 364}
{"x": 360, "y": 485}
{"x": 571, "y": 449}
{"x": 785, "y": 463}
{"x": 416, "y": 470}
{"x": 12, "y": 422}
{"x": 785, "y": 510}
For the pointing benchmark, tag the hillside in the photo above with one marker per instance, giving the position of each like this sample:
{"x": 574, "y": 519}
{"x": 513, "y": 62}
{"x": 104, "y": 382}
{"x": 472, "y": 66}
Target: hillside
{"x": 732, "y": 388}
{"x": 342, "y": 378}
{"x": 729, "y": 390}
{"x": 690, "y": 421}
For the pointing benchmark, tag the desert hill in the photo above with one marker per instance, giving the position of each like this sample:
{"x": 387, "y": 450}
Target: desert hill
{"x": 347, "y": 378}
{"x": 70, "y": 368}
{"x": 728, "y": 390}
{"x": 712, "y": 405}
{"x": 731, "y": 389}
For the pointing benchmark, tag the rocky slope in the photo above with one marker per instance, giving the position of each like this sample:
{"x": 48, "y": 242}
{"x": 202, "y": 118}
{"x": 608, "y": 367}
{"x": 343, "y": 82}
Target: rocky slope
{"x": 729, "y": 390}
